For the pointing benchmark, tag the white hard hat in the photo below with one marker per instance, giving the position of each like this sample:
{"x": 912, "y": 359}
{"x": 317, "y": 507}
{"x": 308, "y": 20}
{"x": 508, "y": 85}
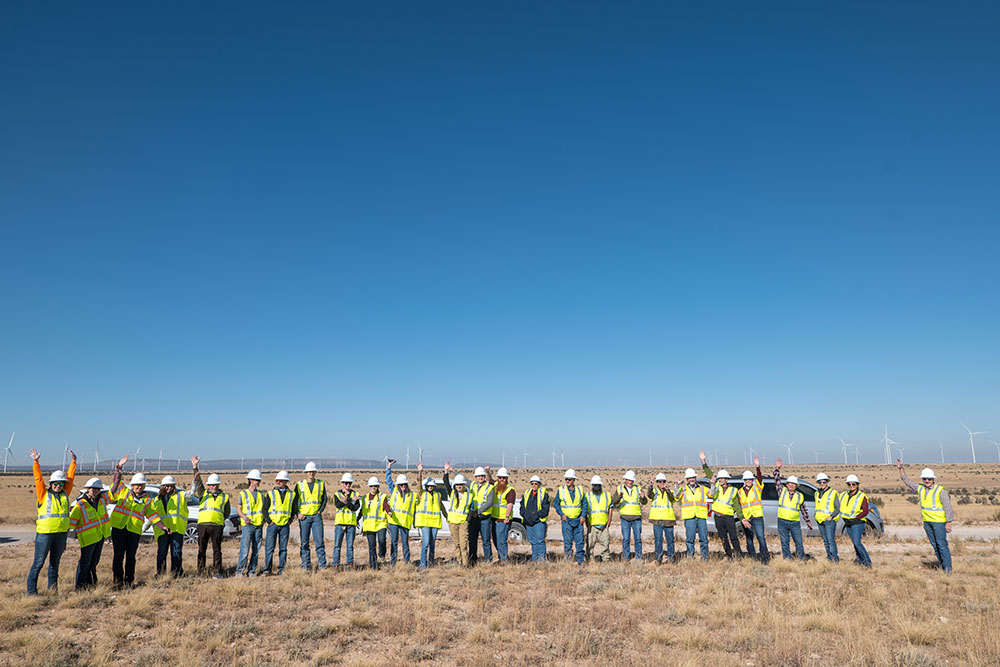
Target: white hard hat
{"x": 852, "y": 479}
{"x": 502, "y": 472}
{"x": 373, "y": 481}
{"x": 660, "y": 477}
{"x": 429, "y": 481}
{"x": 401, "y": 479}
{"x": 169, "y": 479}
{"x": 570, "y": 474}
{"x": 310, "y": 467}
{"x": 629, "y": 475}
{"x": 748, "y": 475}
{"x": 596, "y": 479}
{"x": 94, "y": 483}
{"x": 690, "y": 473}
{"x": 58, "y": 476}
{"x": 723, "y": 474}
{"x": 282, "y": 476}
{"x": 927, "y": 473}
{"x": 822, "y": 477}
{"x": 535, "y": 478}
{"x": 479, "y": 471}
{"x": 792, "y": 479}
{"x": 254, "y": 474}
{"x": 213, "y": 479}
{"x": 347, "y": 477}
{"x": 460, "y": 479}
{"x": 138, "y": 478}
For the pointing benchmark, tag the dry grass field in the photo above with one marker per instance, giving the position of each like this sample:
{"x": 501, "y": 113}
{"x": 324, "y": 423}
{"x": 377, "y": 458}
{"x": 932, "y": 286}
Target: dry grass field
{"x": 902, "y": 612}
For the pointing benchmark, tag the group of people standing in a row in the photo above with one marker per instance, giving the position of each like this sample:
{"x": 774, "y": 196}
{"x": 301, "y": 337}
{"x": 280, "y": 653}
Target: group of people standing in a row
{"x": 480, "y": 511}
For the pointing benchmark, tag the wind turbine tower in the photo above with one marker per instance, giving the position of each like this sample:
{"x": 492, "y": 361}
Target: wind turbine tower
{"x": 972, "y": 442}
{"x": 941, "y": 447}
{"x": 888, "y": 443}
{"x": 7, "y": 452}
{"x": 788, "y": 447}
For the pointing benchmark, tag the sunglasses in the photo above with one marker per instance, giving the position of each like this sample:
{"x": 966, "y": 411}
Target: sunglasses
{"x": 926, "y": 479}
{"x": 58, "y": 483}
{"x": 852, "y": 484}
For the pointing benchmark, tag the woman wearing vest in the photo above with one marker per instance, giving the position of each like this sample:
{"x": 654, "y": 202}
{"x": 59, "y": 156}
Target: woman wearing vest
{"x": 503, "y": 509}
{"x": 52, "y": 524}
{"x": 400, "y": 508}
{"x": 460, "y": 506}
{"x": 213, "y": 510}
{"x": 428, "y": 518}
{"x": 310, "y": 498}
{"x": 827, "y": 511}
{"x": 252, "y": 506}
{"x": 694, "y": 512}
{"x": 345, "y": 520}
{"x": 661, "y": 515}
{"x": 726, "y": 509}
{"x": 481, "y": 521}
{"x": 629, "y": 501}
{"x": 791, "y": 511}
{"x": 535, "y": 515}
{"x": 597, "y": 518}
{"x": 374, "y": 522}
{"x": 132, "y": 508}
{"x": 854, "y": 509}
{"x": 279, "y": 516}
{"x": 936, "y": 510}
{"x": 172, "y": 507}
{"x": 752, "y": 507}
{"x": 571, "y": 505}
{"x": 89, "y": 518}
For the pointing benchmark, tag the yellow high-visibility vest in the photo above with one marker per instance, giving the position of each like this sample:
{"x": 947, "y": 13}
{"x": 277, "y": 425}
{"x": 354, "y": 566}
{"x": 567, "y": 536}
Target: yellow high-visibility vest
{"x": 53, "y": 514}
{"x": 373, "y": 517}
{"x": 499, "y": 511}
{"x": 789, "y": 504}
{"x": 280, "y": 511}
{"x": 252, "y": 504}
{"x": 931, "y": 508}
{"x": 310, "y": 500}
{"x": 403, "y": 508}
{"x": 211, "y": 508}
{"x": 479, "y": 493}
{"x": 459, "y": 508}
{"x": 629, "y": 505}
{"x": 750, "y": 501}
{"x": 850, "y": 507}
{"x": 130, "y": 512}
{"x": 572, "y": 506}
{"x": 345, "y": 516}
{"x": 91, "y": 524}
{"x": 723, "y": 503}
{"x": 429, "y": 510}
{"x": 661, "y": 509}
{"x": 600, "y": 508}
{"x": 826, "y": 505}
{"x": 174, "y": 515}
{"x": 694, "y": 503}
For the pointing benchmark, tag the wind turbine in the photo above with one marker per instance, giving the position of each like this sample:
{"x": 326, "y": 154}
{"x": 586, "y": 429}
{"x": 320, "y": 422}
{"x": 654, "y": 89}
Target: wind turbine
{"x": 995, "y": 444}
{"x": 97, "y": 456}
{"x": 420, "y": 455}
{"x": 789, "y": 448}
{"x": 857, "y": 455}
{"x": 524, "y": 461}
{"x": 843, "y": 447}
{"x": 972, "y": 443}
{"x": 7, "y": 453}
{"x": 941, "y": 447}
{"x": 407, "y": 456}
{"x": 562, "y": 458}
{"x": 159, "y": 464}
{"x": 900, "y": 450}
{"x": 65, "y": 449}
{"x": 553, "y": 457}
{"x": 503, "y": 459}
{"x": 135, "y": 463}
{"x": 888, "y": 443}
{"x": 816, "y": 454}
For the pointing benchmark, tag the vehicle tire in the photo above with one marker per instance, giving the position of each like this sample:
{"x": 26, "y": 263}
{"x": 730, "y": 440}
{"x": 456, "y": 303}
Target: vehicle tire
{"x": 517, "y": 533}
{"x": 191, "y": 534}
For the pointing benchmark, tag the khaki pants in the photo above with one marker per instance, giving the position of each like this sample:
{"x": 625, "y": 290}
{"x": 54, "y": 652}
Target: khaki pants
{"x": 460, "y": 536}
{"x": 599, "y": 543}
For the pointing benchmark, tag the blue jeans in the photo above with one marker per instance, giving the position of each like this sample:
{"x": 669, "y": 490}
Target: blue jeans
{"x": 376, "y": 547}
{"x": 700, "y": 526}
{"x": 633, "y": 529}
{"x": 855, "y": 533}
{"x": 251, "y": 538}
{"x": 939, "y": 540}
{"x": 485, "y": 528}
{"x": 174, "y": 543}
{"x": 339, "y": 533}
{"x": 313, "y": 523}
{"x": 277, "y": 534}
{"x": 791, "y": 529}
{"x": 86, "y": 569}
{"x": 828, "y": 529}
{"x": 536, "y": 536}
{"x": 49, "y": 545}
{"x": 756, "y": 529}
{"x": 500, "y": 530}
{"x": 659, "y": 534}
{"x": 572, "y": 533}
{"x": 428, "y": 536}
{"x": 399, "y": 534}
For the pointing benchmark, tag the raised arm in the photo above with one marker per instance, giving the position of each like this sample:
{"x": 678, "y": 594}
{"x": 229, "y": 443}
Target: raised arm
{"x": 906, "y": 480}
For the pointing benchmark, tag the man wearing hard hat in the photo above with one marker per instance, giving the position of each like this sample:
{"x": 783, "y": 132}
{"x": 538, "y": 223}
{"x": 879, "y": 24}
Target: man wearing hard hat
{"x": 535, "y": 506}
{"x": 52, "y": 524}
{"x": 172, "y": 506}
{"x": 89, "y": 519}
{"x": 400, "y": 508}
{"x": 725, "y": 508}
{"x": 345, "y": 520}
{"x": 310, "y": 498}
{"x": 281, "y": 509}
{"x": 791, "y": 512}
{"x": 460, "y": 506}
{"x": 694, "y": 512}
{"x": 252, "y": 505}
{"x": 662, "y": 516}
{"x": 503, "y": 511}
{"x": 481, "y": 520}
{"x": 752, "y": 507}
{"x": 571, "y": 506}
{"x": 374, "y": 522}
{"x": 936, "y": 511}
{"x": 213, "y": 510}
{"x": 629, "y": 501}
{"x": 597, "y": 519}
{"x": 827, "y": 511}
{"x": 132, "y": 508}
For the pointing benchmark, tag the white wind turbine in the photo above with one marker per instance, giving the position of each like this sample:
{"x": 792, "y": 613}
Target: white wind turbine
{"x": 816, "y": 454}
{"x": 65, "y": 450}
{"x": 941, "y": 447}
{"x": 524, "y": 461}
{"x": 972, "y": 443}
{"x": 159, "y": 464}
{"x": 562, "y": 458}
{"x": 887, "y": 442}
{"x": 553, "y": 457}
{"x": 997, "y": 445}
{"x": 135, "y": 463}
{"x": 857, "y": 455}
{"x": 788, "y": 447}
{"x": 97, "y": 456}
{"x": 7, "y": 452}
{"x": 900, "y": 450}
{"x": 843, "y": 447}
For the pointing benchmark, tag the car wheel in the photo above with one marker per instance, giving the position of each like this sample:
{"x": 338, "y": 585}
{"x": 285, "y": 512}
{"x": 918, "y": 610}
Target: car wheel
{"x": 191, "y": 534}
{"x": 517, "y": 533}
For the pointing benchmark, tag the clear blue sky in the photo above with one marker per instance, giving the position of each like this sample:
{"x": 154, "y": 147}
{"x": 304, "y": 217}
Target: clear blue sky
{"x": 331, "y": 229}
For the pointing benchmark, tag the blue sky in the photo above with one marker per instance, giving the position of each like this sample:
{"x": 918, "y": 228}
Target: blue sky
{"x": 335, "y": 229}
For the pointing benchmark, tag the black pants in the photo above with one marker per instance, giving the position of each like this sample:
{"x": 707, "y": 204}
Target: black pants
{"x": 174, "y": 543}
{"x": 376, "y": 547}
{"x": 86, "y": 569}
{"x": 474, "y": 528}
{"x": 210, "y": 532}
{"x": 725, "y": 526}
{"x": 125, "y": 544}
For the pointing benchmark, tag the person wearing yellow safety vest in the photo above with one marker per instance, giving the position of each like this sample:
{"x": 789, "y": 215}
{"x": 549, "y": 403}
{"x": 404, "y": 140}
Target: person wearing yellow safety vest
{"x": 460, "y": 506}
{"x": 282, "y": 507}
{"x": 172, "y": 506}
{"x": 481, "y": 520}
{"x": 571, "y": 506}
{"x": 52, "y": 524}
{"x": 853, "y": 510}
{"x": 347, "y": 504}
{"x": 252, "y": 505}
{"x": 132, "y": 508}
{"x": 374, "y": 522}
{"x": 428, "y": 519}
{"x": 597, "y": 518}
{"x": 535, "y": 506}
{"x": 400, "y": 508}
{"x": 694, "y": 512}
{"x": 827, "y": 511}
{"x": 503, "y": 510}
{"x": 629, "y": 499}
{"x": 791, "y": 512}
{"x": 752, "y": 508}
{"x": 310, "y": 497}
{"x": 661, "y": 515}
{"x": 213, "y": 510}
{"x": 89, "y": 519}
{"x": 936, "y": 511}
{"x": 726, "y": 509}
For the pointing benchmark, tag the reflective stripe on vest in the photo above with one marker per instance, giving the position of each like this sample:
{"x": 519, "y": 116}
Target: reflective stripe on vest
{"x": 373, "y": 513}
{"x": 479, "y": 492}
{"x": 826, "y": 505}
{"x": 53, "y": 514}
{"x": 310, "y": 501}
{"x": 345, "y": 516}
{"x": 541, "y": 494}
{"x": 694, "y": 504}
{"x": 572, "y": 507}
{"x": 280, "y": 511}
{"x": 500, "y": 504}
{"x": 723, "y": 503}
{"x": 750, "y": 500}
{"x": 600, "y": 508}
{"x": 662, "y": 509}
{"x": 931, "y": 508}
{"x": 129, "y": 513}
{"x": 458, "y": 510}
{"x": 851, "y": 507}
{"x": 429, "y": 512}
{"x": 789, "y": 504}
{"x": 174, "y": 514}
{"x": 629, "y": 505}
{"x": 402, "y": 508}
{"x": 254, "y": 502}
{"x": 210, "y": 510}
{"x": 92, "y": 525}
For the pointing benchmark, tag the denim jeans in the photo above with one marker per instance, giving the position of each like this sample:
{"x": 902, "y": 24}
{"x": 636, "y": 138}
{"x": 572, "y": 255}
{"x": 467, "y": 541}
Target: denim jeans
{"x": 828, "y": 529}
{"x": 700, "y": 526}
{"x": 124, "y": 544}
{"x": 174, "y": 543}
{"x": 50, "y": 545}
{"x": 572, "y": 534}
{"x": 631, "y": 529}
{"x": 756, "y": 529}
{"x": 536, "y": 536}
{"x": 939, "y": 540}
{"x": 277, "y": 534}
{"x": 483, "y": 526}
{"x": 397, "y": 535}
{"x": 855, "y": 532}
{"x": 428, "y": 536}
{"x": 376, "y": 547}
{"x": 661, "y": 533}
{"x": 86, "y": 569}
{"x": 500, "y": 531}
{"x": 791, "y": 529}
{"x": 339, "y": 533}
{"x": 250, "y": 541}
{"x": 312, "y": 524}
